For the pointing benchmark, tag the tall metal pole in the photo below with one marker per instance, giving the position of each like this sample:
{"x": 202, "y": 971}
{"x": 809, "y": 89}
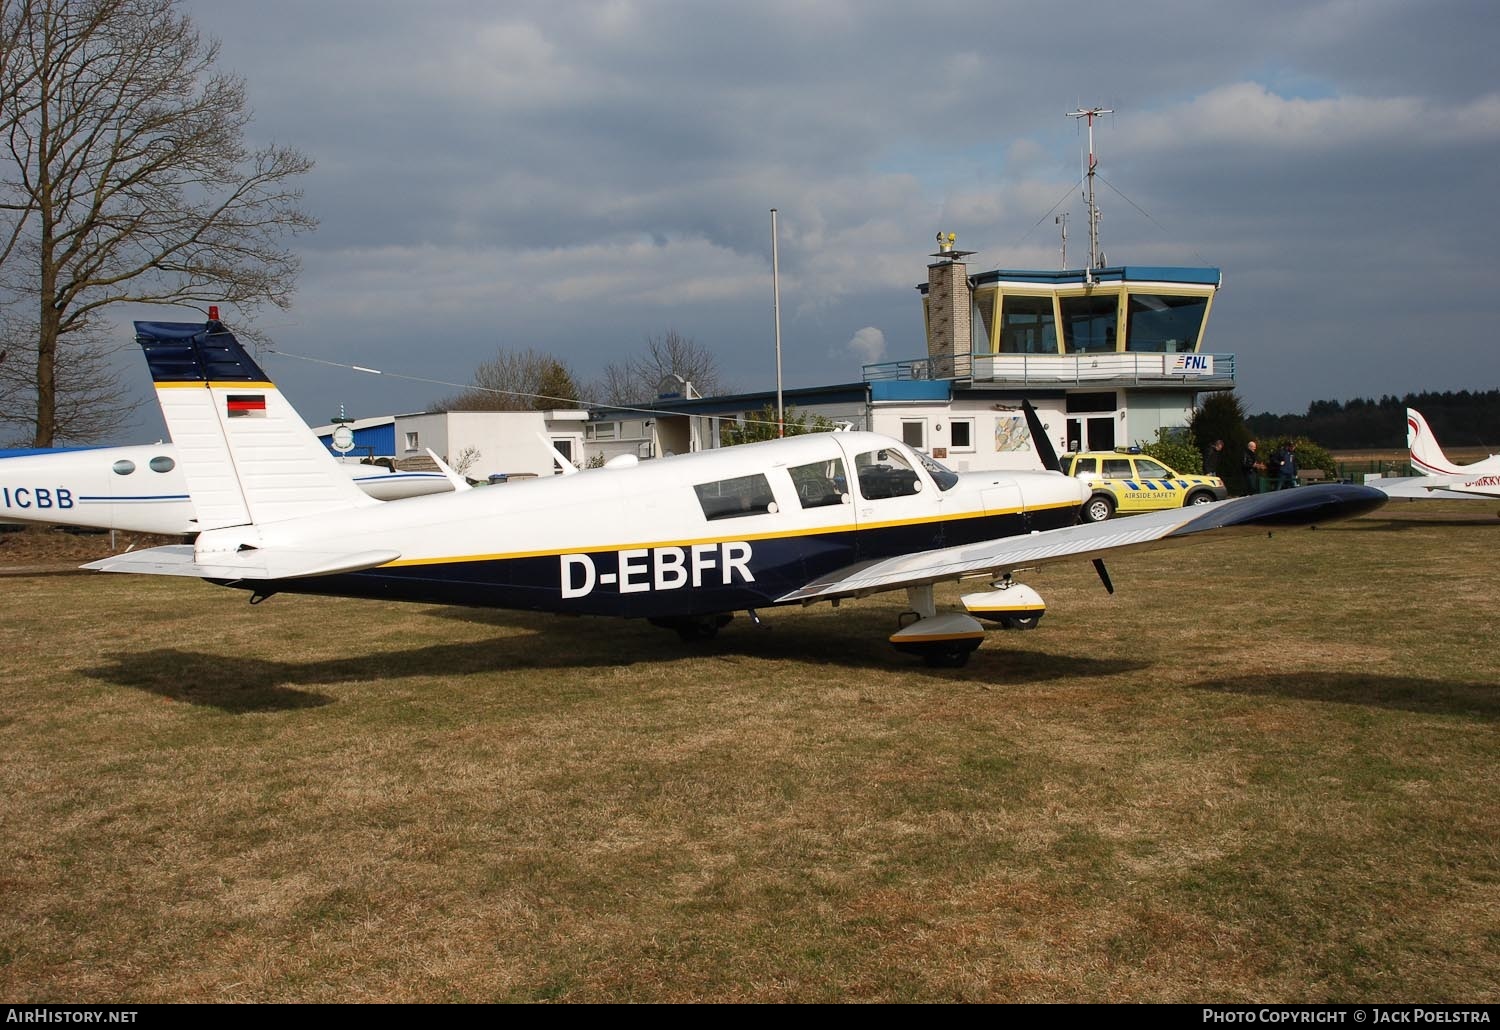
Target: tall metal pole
{"x": 776, "y": 301}
{"x": 1091, "y": 113}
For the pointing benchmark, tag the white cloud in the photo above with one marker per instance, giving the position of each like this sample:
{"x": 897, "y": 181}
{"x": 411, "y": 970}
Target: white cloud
{"x": 1248, "y": 114}
{"x": 867, "y": 345}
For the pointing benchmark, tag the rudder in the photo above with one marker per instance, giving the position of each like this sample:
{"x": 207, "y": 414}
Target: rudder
{"x": 246, "y": 454}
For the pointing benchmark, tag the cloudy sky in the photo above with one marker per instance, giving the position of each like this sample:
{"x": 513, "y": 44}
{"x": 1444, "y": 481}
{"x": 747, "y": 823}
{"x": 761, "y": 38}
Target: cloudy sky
{"x": 574, "y": 177}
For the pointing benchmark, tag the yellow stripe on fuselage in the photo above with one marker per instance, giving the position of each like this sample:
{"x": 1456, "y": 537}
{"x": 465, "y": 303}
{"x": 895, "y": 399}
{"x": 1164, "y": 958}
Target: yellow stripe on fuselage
{"x": 723, "y": 538}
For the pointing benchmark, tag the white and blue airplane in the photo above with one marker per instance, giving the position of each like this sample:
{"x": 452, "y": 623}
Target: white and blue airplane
{"x": 684, "y": 542}
{"x": 141, "y": 489}
{"x": 1440, "y": 478}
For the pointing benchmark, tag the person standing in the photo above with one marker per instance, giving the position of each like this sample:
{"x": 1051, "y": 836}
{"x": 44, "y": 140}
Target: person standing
{"x": 1252, "y": 466}
{"x": 1211, "y": 458}
{"x": 1288, "y": 475}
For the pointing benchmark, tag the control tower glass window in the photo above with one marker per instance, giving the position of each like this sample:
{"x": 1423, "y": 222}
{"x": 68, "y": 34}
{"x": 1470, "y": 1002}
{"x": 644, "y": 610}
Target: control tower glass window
{"x": 1089, "y": 323}
{"x": 1164, "y": 324}
{"x": 1027, "y": 326}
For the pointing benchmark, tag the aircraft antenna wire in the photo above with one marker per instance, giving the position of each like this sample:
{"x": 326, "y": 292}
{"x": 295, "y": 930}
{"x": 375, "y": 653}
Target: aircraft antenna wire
{"x": 489, "y": 389}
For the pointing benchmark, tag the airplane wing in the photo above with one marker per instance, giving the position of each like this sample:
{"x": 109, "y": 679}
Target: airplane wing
{"x": 254, "y": 564}
{"x": 1283, "y": 509}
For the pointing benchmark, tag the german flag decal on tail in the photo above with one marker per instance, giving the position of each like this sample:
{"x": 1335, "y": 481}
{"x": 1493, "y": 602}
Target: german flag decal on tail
{"x": 246, "y": 405}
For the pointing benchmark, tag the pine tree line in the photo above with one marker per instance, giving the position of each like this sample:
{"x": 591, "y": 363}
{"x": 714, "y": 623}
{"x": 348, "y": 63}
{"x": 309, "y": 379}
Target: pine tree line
{"x": 1465, "y": 418}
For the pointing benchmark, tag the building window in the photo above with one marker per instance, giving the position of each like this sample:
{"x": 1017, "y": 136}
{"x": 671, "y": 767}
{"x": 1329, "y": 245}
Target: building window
{"x": 961, "y": 434}
{"x": 411, "y": 441}
{"x": 1164, "y": 324}
{"x": 601, "y": 430}
{"x": 1089, "y": 402}
{"x": 1089, "y": 323}
{"x": 733, "y": 498}
{"x": 914, "y": 433}
{"x": 1027, "y": 326}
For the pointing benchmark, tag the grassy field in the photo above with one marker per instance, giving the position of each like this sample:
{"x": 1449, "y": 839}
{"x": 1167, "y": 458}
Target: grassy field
{"x": 1264, "y": 770}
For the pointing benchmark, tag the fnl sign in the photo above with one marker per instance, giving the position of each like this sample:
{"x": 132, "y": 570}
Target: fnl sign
{"x": 1192, "y": 365}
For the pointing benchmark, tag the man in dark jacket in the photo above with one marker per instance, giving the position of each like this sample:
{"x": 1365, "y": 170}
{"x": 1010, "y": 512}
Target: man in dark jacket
{"x": 1211, "y": 458}
{"x": 1288, "y": 475}
{"x": 1252, "y": 467}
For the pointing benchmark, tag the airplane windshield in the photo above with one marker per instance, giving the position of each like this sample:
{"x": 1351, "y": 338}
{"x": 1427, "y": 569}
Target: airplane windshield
{"x": 941, "y": 474}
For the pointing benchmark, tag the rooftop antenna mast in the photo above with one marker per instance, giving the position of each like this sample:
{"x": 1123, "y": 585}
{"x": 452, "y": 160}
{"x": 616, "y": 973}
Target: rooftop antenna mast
{"x": 1062, "y": 220}
{"x": 1090, "y": 113}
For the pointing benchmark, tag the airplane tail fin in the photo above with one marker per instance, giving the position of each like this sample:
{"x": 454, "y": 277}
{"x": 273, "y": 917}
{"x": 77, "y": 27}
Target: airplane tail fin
{"x": 1426, "y": 456}
{"x": 246, "y": 454}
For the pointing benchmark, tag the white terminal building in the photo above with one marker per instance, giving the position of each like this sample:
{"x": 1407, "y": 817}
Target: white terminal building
{"x": 1107, "y": 355}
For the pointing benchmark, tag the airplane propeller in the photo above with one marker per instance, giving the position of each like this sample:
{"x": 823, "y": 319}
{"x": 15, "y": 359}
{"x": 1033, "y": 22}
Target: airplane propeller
{"x": 1048, "y": 454}
{"x": 1103, "y": 575}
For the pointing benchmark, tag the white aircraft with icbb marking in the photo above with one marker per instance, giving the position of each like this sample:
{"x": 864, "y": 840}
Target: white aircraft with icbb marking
{"x": 140, "y": 489}
{"x": 684, "y": 542}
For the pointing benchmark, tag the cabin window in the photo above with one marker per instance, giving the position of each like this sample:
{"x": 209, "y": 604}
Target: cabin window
{"x": 1147, "y": 469}
{"x": 124, "y": 467}
{"x": 1027, "y": 326}
{"x": 162, "y": 463}
{"x": 1089, "y": 323}
{"x": 820, "y": 484}
{"x": 1164, "y": 324}
{"x": 1086, "y": 468}
{"x": 1117, "y": 468}
{"x": 733, "y": 498}
{"x": 885, "y": 473}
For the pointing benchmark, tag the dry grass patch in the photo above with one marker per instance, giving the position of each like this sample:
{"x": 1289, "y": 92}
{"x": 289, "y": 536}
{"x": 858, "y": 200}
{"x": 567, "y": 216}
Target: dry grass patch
{"x": 1262, "y": 770}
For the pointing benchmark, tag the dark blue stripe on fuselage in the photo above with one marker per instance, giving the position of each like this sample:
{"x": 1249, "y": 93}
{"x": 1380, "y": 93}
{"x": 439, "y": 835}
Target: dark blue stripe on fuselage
{"x": 778, "y": 566}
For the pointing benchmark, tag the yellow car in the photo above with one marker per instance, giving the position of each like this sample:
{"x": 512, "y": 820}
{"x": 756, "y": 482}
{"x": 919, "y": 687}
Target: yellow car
{"x": 1128, "y": 483}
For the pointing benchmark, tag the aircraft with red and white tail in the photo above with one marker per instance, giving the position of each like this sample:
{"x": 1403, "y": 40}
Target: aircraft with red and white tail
{"x": 684, "y": 542}
{"x": 1440, "y": 478}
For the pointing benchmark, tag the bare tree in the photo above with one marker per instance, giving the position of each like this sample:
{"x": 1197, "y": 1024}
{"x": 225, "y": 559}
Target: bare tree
{"x": 523, "y": 380}
{"x": 128, "y": 178}
{"x": 638, "y": 380}
{"x": 92, "y": 402}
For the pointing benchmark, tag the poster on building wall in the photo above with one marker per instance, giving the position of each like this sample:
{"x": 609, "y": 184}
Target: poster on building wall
{"x": 1012, "y": 433}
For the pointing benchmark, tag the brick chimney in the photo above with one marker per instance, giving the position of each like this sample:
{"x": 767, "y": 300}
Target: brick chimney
{"x": 949, "y": 316}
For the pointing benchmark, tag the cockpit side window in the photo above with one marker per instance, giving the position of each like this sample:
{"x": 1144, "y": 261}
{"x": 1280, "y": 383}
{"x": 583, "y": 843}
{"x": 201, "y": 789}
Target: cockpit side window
{"x": 820, "y": 484}
{"x": 885, "y": 473}
{"x": 735, "y": 498}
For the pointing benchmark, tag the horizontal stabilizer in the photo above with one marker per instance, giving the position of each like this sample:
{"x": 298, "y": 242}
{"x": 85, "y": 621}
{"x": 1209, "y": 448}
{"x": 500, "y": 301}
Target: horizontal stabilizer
{"x": 254, "y": 563}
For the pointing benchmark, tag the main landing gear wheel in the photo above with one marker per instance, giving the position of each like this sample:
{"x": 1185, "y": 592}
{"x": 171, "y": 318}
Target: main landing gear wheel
{"x": 693, "y": 628}
{"x": 941, "y": 641}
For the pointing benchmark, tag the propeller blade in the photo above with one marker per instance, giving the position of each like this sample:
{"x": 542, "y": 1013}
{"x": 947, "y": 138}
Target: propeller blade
{"x": 1103, "y": 575}
{"x": 1044, "y": 448}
